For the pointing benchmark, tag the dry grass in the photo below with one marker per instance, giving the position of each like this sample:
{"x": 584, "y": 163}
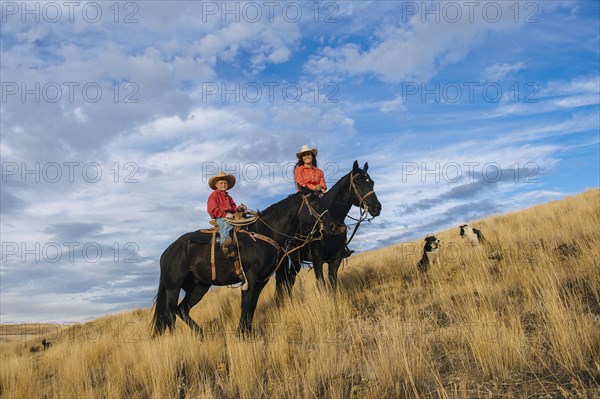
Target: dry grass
{"x": 527, "y": 325}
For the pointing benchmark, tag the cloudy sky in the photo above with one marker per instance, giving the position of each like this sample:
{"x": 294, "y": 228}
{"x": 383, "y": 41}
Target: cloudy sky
{"x": 114, "y": 115}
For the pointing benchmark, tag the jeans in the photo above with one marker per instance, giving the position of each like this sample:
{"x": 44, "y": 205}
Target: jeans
{"x": 224, "y": 228}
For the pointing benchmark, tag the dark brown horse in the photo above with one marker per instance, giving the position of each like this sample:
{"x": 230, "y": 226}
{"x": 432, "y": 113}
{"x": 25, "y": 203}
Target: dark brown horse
{"x": 187, "y": 265}
{"x": 356, "y": 188}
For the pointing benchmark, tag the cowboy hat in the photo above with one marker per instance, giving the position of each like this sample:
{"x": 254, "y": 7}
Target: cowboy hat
{"x": 306, "y": 148}
{"x": 221, "y": 176}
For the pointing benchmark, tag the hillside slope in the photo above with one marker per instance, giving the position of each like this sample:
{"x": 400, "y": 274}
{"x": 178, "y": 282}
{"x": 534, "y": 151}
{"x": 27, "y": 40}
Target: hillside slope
{"x": 525, "y": 324}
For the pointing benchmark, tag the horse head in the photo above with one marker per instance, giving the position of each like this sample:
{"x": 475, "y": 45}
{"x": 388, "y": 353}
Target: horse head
{"x": 363, "y": 189}
{"x": 315, "y": 211}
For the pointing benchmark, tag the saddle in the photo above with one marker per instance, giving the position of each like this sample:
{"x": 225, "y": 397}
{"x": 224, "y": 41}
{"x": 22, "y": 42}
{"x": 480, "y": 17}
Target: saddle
{"x": 209, "y": 236}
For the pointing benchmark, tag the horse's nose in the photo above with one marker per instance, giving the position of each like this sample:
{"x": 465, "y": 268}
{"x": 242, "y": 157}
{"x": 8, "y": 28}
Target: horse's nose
{"x": 375, "y": 211}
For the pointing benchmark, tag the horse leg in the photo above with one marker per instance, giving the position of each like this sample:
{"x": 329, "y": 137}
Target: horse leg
{"x": 193, "y": 295}
{"x": 171, "y": 296}
{"x": 334, "y": 264}
{"x": 164, "y": 310}
{"x": 285, "y": 279}
{"x": 249, "y": 300}
{"x": 173, "y": 274}
{"x": 318, "y": 268}
{"x": 317, "y": 262}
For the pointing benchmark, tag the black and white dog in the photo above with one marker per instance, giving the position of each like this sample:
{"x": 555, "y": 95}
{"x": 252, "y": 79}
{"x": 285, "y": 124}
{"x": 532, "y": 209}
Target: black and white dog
{"x": 431, "y": 253}
{"x": 474, "y": 236}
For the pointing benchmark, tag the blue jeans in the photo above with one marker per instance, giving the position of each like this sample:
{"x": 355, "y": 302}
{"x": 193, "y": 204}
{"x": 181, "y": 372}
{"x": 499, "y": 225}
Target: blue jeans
{"x": 224, "y": 228}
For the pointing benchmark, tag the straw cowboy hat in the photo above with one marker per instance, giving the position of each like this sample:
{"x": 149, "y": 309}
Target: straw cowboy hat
{"x": 306, "y": 148}
{"x": 221, "y": 176}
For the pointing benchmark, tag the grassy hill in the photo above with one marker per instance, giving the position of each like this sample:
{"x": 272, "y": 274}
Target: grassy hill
{"x": 526, "y": 325}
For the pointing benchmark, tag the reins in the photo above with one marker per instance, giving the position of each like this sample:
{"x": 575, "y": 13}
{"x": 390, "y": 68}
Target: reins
{"x": 304, "y": 239}
{"x": 363, "y": 216}
{"x": 307, "y": 239}
{"x": 364, "y": 209}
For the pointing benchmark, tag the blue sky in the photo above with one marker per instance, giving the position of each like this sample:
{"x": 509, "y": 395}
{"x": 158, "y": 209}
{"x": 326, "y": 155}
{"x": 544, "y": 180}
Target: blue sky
{"x": 113, "y": 118}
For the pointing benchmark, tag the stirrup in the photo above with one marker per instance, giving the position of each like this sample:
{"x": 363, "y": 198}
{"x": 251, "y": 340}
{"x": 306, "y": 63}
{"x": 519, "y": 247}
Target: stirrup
{"x": 240, "y": 274}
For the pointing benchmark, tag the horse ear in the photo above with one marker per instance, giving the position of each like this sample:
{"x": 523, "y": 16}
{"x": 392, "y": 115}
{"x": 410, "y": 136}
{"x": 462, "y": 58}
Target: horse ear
{"x": 305, "y": 190}
{"x": 355, "y": 166}
{"x": 366, "y": 167}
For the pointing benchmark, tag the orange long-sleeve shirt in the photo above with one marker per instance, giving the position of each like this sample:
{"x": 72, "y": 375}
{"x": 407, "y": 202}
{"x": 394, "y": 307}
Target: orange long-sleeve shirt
{"x": 310, "y": 177}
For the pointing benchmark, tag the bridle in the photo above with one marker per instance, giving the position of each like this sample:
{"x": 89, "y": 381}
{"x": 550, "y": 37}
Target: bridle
{"x": 362, "y": 204}
{"x": 361, "y": 198}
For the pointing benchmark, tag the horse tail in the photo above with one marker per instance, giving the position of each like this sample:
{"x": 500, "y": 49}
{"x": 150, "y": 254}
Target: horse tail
{"x": 159, "y": 318}
{"x": 173, "y": 270}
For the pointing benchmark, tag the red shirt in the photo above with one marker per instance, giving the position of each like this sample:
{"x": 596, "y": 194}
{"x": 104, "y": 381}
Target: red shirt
{"x": 310, "y": 177}
{"x": 220, "y": 203}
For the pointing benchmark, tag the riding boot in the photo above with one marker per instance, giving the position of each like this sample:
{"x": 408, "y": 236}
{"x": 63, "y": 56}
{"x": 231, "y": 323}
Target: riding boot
{"x": 346, "y": 252}
{"x": 230, "y": 255}
{"x": 225, "y": 244}
{"x": 240, "y": 274}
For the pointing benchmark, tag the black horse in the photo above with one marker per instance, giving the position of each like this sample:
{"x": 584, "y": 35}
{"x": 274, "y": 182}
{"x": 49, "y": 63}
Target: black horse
{"x": 356, "y": 188}
{"x": 187, "y": 265}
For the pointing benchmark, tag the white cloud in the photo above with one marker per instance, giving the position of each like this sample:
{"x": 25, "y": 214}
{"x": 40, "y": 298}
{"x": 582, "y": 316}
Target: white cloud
{"x": 80, "y": 115}
{"x": 554, "y": 96}
{"x": 412, "y": 51}
{"x": 267, "y": 42}
{"x": 397, "y": 104}
{"x": 541, "y": 195}
{"x": 579, "y": 86}
{"x": 498, "y": 72}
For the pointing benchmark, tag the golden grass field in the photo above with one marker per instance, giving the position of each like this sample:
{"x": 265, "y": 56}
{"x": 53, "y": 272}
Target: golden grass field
{"x": 527, "y": 325}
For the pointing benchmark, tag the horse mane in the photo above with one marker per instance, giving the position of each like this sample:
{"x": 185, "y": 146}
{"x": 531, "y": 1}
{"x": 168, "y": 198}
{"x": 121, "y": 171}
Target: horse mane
{"x": 278, "y": 209}
{"x": 334, "y": 191}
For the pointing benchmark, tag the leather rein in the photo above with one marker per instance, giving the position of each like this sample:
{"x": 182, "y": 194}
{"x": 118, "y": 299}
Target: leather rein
{"x": 307, "y": 239}
{"x": 364, "y": 208}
